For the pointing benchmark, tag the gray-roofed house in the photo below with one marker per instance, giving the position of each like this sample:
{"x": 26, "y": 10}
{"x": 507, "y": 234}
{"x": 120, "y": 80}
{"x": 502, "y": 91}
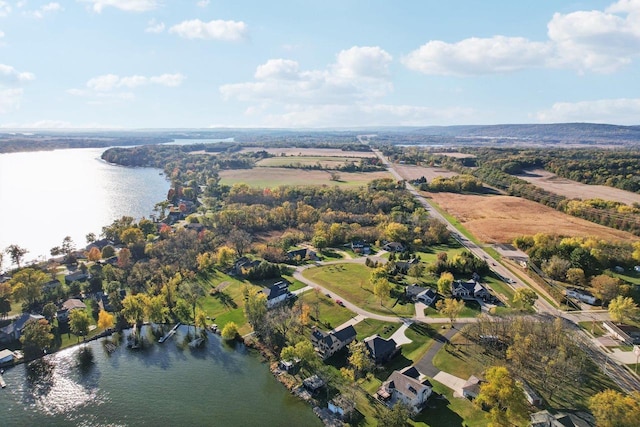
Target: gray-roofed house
{"x": 76, "y": 276}
{"x": 68, "y": 306}
{"x": 471, "y": 387}
{"x": 419, "y": 294}
{"x": 277, "y": 293}
{"x": 327, "y": 344}
{"x": 407, "y": 386}
{"x": 469, "y": 290}
{"x": 13, "y": 331}
{"x": 302, "y": 254}
{"x": 394, "y": 247}
{"x": 561, "y": 419}
{"x": 380, "y": 349}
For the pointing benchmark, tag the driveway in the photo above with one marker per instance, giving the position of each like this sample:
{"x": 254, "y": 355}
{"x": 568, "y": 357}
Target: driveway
{"x": 425, "y": 365}
{"x": 451, "y": 381}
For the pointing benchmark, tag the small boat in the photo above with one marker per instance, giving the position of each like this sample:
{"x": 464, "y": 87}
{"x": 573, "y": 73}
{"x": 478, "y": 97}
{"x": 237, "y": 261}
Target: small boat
{"x": 196, "y": 343}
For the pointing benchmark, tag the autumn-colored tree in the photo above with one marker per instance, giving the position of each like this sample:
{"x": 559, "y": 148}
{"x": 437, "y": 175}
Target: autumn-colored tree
{"x": 200, "y": 320}
{"x": 622, "y": 309}
{"x": 124, "y": 258}
{"x": 444, "y": 283}
{"x": 229, "y": 331}
{"x": 131, "y": 235}
{"x": 359, "y": 358}
{"x": 305, "y": 314}
{"x": 382, "y": 289}
{"x": 134, "y": 309}
{"x": 94, "y": 254}
{"x": 27, "y": 284}
{"x": 79, "y": 322}
{"x": 605, "y": 287}
{"x": 105, "y": 320}
{"x": 36, "y": 337}
{"x": 225, "y": 256}
{"x": 504, "y": 396}
{"x": 396, "y": 232}
{"x": 576, "y": 277}
{"x": 206, "y": 261}
{"x": 255, "y": 308}
{"x": 614, "y": 409}
{"x": 450, "y": 307}
{"x": 525, "y": 298}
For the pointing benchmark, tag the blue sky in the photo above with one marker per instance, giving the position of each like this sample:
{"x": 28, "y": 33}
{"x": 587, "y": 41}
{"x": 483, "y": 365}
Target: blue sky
{"x": 311, "y": 64}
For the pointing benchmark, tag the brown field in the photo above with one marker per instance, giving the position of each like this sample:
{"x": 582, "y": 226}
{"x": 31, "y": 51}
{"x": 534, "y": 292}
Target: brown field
{"x": 332, "y": 152}
{"x": 269, "y": 177}
{"x": 499, "y": 219}
{"x": 456, "y": 155}
{"x": 410, "y": 172}
{"x": 576, "y": 190}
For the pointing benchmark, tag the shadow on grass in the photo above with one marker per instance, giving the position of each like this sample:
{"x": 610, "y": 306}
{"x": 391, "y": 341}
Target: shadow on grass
{"x": 438, "y": 413}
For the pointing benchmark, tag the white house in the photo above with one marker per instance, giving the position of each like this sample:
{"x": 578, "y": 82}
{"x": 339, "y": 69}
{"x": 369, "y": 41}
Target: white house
{"x": 581, "y": 295}
{"x": 406, "y": 386}
{"x": 277, "y": 294}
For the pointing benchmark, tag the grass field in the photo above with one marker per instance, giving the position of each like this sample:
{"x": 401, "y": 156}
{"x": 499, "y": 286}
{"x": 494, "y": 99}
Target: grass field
{"x": 445, "y": 410}
{"x": 499, "y": 219}
{"x": 329, "y": 313}
{"x": 351, "y": 282}
{"x": 313, "y": 152}
{"x": 330, "y": 162}
{"x": 411, "y": 172}
{"x": 269, "y": 177}
{"x": 368, "y": 327}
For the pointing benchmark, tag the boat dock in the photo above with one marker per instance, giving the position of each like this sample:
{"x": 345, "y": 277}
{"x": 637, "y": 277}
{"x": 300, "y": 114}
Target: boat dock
{"x": 2, "y": 383}
{"x": 170, "y": 333}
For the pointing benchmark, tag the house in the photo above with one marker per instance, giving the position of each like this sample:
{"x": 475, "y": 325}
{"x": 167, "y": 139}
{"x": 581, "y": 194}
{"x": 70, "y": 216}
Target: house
{"x": 626, "y": 333}
{"x": 68, "y": 306}
{"x": 14, "y": 330}
{"x": 302, "y": 254}
{"x": 561, "y": 419}
{"x": 341, "y": 406}
{"x": 402, "y": 267}
{"x": 469, "y": 290}
{"x": 361, "y": 247}
{"x": 103, "y": 301}
{"x": 6, "y": 356}
{"x": 76, "y": 276}
{"x": 277, "y": 293}
{"x": 288, "y": 365}
{"x": 406, "y": 386}
{"x": 394, "y": 247}
{"x": 581, "y": 295}
{"x": 471, "y": 387}
{"x": 100, "y": 244}
{"x": 244, "y": 263}
{"x": 380, "y": 349}
{"x": 420, "y": 294}
{"x": 313, "y": 383}
{"x": 327, "y": 344}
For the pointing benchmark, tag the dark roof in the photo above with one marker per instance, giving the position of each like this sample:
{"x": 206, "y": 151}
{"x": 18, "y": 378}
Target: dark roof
{"x": 414, "y": 290}
{"x": 380, "y": 348}
{"x": 100, "y": 244}
{"x": 345, "y": 334}
{"x": 302, "y": 253}
{"x": 396, "y": 246}
{"x": 20, "y": 323}
{"x": 76, "y": 276}
{"x": 277, "y": 290}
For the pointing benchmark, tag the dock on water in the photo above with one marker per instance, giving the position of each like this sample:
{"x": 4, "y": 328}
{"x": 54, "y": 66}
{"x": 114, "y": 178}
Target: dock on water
{"x": 2, "y": 383}
{"x": 170, "y": 333}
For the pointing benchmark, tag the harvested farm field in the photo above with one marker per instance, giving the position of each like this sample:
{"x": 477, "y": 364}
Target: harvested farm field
{"x": 269, "y": 177}
{"x": 411, "y": 172}
{"x": 312, "y": 152}
{"x": 577, "y": 190}
{"x": 499, "y": 219}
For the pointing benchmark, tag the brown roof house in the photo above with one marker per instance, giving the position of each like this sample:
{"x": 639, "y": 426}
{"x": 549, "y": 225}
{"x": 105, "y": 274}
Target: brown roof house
{"x": 407, "y": 386}
{"x": 68, "y": 306}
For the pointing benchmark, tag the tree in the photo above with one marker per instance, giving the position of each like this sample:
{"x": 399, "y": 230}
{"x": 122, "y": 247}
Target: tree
{"x": 614, "y": 409}
{"x": 200, "y": 320}
{"x": 36, "y": 337}
{"x": 105, "y": 320}
{"x": 79, "y": 322}
{"x": 359, "y": 358}
{"x": 230, "y": 331}
{"x": 396, "y": 417}
{"x": 450, "y": 307}
{"x": 5, "y": 299}
{"x": 225, "y": 256}
{"x": 576, "y": 276}
{"x": 131, "y": 235}
{"x": 525, "y": 298}
{"x": 49, "y": 311}
{"x": 622, "y": 309}
{"x": 16, "y": 253}
{"x": 90, "y": 237}
{"x": 605, "y": 287}
{"x": 444, "y": 283}
{"x": 240, "y": 240}
{"x": 134, "y": 309}
{"x": 124, "y": 258}
{"x": 255, "y": 308}
{"x": 381, "y": 289}
{"x": 191, "y": 293}
{"x": 556, "y": 267}
{"x": 504, "y": 396}
{"x": 158, "y": 312}
{"x": 94, "y": 254}
{"x": 32, "y": 280}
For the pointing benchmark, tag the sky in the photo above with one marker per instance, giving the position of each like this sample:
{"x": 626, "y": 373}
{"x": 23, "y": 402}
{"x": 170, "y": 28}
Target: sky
{"x": 138, "y": 64}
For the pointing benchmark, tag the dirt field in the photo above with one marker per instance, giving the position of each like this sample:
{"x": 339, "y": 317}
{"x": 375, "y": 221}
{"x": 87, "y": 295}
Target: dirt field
{"x": 499, "y": 219}
{"x": 577, "y": 190}
{"x": 410, "y": 172}
{"x": 333, "y": 152}
{"x": 269, "y": 177}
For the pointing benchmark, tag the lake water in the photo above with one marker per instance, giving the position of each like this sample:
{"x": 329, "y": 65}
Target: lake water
{"x": 47, "y": 195}
{"x": 162, "y": 385}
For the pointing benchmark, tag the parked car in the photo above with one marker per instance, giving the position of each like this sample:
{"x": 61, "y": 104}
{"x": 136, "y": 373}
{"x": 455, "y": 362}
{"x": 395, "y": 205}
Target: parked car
{"x": 340, "y": 303}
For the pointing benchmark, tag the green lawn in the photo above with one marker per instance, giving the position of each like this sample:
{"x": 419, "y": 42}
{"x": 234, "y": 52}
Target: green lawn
{"x": 368, "y": 327}
{"x": 430, "y": 255}
{"x": 329, "y": 313}
{"x": 299, "y": 161}
{"x": 471, "y": 309}
{"x": 351, "y": 282}
{"x": 630, "y": 276}
{"x": 444, "y": 410}
{"x": 593, "y": 327}
{"x": 227, "y": 305}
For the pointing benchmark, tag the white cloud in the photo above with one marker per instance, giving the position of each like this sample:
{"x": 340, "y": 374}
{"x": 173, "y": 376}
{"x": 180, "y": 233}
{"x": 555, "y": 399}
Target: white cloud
{"x": 154, "y": 27}
{"x": 599, "y": 41}
{"x": 203, "y": 3}
{"x": 20, "y": 4}
{"x": 359, "y": 73}
{"x": 477, "y": 56}
{"x": 125, "y": 5}
{"x": 10, "y": 74}
{"x": 212, "y": 30}
{"x": 5, "y": 8}
{"x": 10, "y": 99}
{"x": 109, "y": 82}
{"x": 618, "y": 111}
{"x": 45, "y": 9}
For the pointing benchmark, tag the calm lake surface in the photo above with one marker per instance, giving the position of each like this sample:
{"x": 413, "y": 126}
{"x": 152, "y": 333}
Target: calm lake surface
{"x": 162, "y": 385}
{"x": 47, "y": 195}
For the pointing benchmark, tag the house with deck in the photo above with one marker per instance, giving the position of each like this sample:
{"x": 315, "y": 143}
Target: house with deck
{"x": 407, "y": 386}
{"x": 327, "y": 344}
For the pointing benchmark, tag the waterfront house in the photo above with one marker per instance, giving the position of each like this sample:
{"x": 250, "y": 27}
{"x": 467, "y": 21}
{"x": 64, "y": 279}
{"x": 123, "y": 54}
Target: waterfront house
{"x": 277, "y": 293}
{"x": 6, "y": 356}
{"x": 380, "y": 349}
{"x": 341, "y": 406}
{"x": 313, "y": 383}
{"x": 327, "y": 344}
{"x": 469, "y": 290}
{"x": 76, "y": 276}
{"x": 407, "y": 386}
{"x": 68, "y": 306}
{"x": 13, "y": 331}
